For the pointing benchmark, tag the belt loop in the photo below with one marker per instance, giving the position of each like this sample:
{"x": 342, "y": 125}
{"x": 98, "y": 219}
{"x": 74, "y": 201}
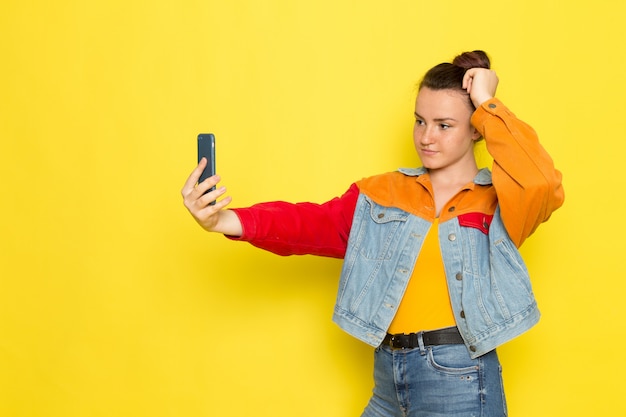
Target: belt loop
{"x": 420, "y": 343}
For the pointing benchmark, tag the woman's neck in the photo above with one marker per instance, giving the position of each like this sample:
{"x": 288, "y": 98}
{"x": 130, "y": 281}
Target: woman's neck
{"x": 446, "y": 184}
{"x": 454, "y": 176}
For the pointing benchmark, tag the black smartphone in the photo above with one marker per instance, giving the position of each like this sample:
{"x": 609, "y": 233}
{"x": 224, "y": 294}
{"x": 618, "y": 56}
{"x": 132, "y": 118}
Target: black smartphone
{"x": 206, "y": 149}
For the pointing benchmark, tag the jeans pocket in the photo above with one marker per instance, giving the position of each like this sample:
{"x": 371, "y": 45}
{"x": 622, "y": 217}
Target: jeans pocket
{"x": 452, "y": 360}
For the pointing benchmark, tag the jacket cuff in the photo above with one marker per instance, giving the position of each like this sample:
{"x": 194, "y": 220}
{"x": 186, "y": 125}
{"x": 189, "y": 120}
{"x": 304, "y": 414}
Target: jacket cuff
{"x": 491, "y": 107}
{"x": 247, "y": 225}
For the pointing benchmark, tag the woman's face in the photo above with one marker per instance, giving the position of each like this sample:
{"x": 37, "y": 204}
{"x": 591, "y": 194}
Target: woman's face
{"x": 443, "y": 134}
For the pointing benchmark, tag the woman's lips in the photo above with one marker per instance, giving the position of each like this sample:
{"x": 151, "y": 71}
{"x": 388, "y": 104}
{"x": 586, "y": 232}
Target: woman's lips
{"x": 428, "y": 152}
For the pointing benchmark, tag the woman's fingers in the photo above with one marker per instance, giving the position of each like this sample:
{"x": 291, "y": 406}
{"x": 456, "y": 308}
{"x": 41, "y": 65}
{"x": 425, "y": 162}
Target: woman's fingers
{"x": 193, "y": 178}
{"x": 481, "y": 84}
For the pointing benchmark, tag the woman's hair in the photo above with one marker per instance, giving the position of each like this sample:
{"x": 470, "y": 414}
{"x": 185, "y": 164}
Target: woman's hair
{"x": 449, "y": 76}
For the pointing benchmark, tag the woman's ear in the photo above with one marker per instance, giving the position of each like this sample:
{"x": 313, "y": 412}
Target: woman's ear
{"x": 476, "y": 134}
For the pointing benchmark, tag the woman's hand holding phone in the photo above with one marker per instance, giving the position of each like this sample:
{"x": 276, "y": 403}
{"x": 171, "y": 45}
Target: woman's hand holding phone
{"x": 204, "y": 207}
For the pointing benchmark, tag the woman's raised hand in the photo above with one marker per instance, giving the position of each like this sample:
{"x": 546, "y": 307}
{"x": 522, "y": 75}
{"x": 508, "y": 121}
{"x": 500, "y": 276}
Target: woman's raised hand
{"x": 212, "y": 218}
{"x": 481, "y": 84}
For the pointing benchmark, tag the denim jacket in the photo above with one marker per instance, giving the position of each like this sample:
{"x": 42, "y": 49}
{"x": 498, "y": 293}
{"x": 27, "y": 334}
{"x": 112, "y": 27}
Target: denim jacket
{"x": 489, "y": 286}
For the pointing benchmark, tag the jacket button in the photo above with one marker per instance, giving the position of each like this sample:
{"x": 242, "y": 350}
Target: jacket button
{"x": 459, "y": 276}
{"x": 462, "y": 314}
{"x": 451, "y": 209}
{"x": 451, "y": 237}
{"x": 381, "y": 215}
{"x": 492, "y": 106}
{"x": 473, "y": 348}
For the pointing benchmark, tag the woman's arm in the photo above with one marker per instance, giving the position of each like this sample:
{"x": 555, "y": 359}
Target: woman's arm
{"x": 528, "y": 186}
{"x": 279, "y": 227}
{"x": 302, "y": 228}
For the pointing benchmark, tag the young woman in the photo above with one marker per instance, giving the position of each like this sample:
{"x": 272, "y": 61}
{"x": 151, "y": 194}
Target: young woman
{"x": 432, "y": 276}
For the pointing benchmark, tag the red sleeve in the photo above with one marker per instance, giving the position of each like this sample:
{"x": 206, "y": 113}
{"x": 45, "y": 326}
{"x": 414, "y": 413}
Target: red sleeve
{"x": 301, "y": 228}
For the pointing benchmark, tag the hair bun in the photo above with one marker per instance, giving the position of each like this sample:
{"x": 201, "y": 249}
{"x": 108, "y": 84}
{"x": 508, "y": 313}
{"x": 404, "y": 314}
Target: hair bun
{"x": 474, "y": 59}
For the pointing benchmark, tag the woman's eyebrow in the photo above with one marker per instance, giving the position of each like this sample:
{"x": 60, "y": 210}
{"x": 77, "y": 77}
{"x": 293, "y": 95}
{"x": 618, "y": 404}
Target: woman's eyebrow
{"x": 440, "y": 119}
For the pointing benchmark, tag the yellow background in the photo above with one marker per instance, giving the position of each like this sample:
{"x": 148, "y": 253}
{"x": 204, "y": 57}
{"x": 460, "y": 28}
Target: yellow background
{"x": 113, "y": 302}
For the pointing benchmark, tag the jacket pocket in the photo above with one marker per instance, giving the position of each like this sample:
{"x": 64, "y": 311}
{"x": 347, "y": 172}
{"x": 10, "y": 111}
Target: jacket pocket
{"x": 502, "y": 293}
{"x": 376, "y": 237}
{"x": 510, "y": 271}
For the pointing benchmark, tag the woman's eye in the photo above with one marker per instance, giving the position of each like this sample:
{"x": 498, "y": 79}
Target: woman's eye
{"x": 419, "y": 122}
{"x": 444, "y": 126}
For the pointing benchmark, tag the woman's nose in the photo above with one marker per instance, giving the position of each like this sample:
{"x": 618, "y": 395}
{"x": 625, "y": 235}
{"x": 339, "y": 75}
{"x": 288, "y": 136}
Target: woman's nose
{"x": 426, "y": 137}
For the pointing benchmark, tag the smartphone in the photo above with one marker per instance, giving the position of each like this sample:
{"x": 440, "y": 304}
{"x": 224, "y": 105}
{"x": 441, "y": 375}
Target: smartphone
{"x": 206, "y": 149}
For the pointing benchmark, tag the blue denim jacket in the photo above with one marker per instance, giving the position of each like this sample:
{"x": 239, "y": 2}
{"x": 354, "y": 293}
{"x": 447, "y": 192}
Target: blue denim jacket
{"x": 488, "y": 282}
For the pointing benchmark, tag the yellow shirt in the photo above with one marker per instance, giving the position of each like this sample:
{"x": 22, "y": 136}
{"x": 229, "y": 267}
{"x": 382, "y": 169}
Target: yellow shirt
{"x": 426, "y": 303}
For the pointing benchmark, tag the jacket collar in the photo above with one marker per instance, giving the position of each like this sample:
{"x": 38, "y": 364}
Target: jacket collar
{"x": 482, "y": 178}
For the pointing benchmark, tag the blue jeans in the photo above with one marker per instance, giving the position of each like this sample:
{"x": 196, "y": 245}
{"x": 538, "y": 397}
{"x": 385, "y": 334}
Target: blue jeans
{"x": 436, "y": 381}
